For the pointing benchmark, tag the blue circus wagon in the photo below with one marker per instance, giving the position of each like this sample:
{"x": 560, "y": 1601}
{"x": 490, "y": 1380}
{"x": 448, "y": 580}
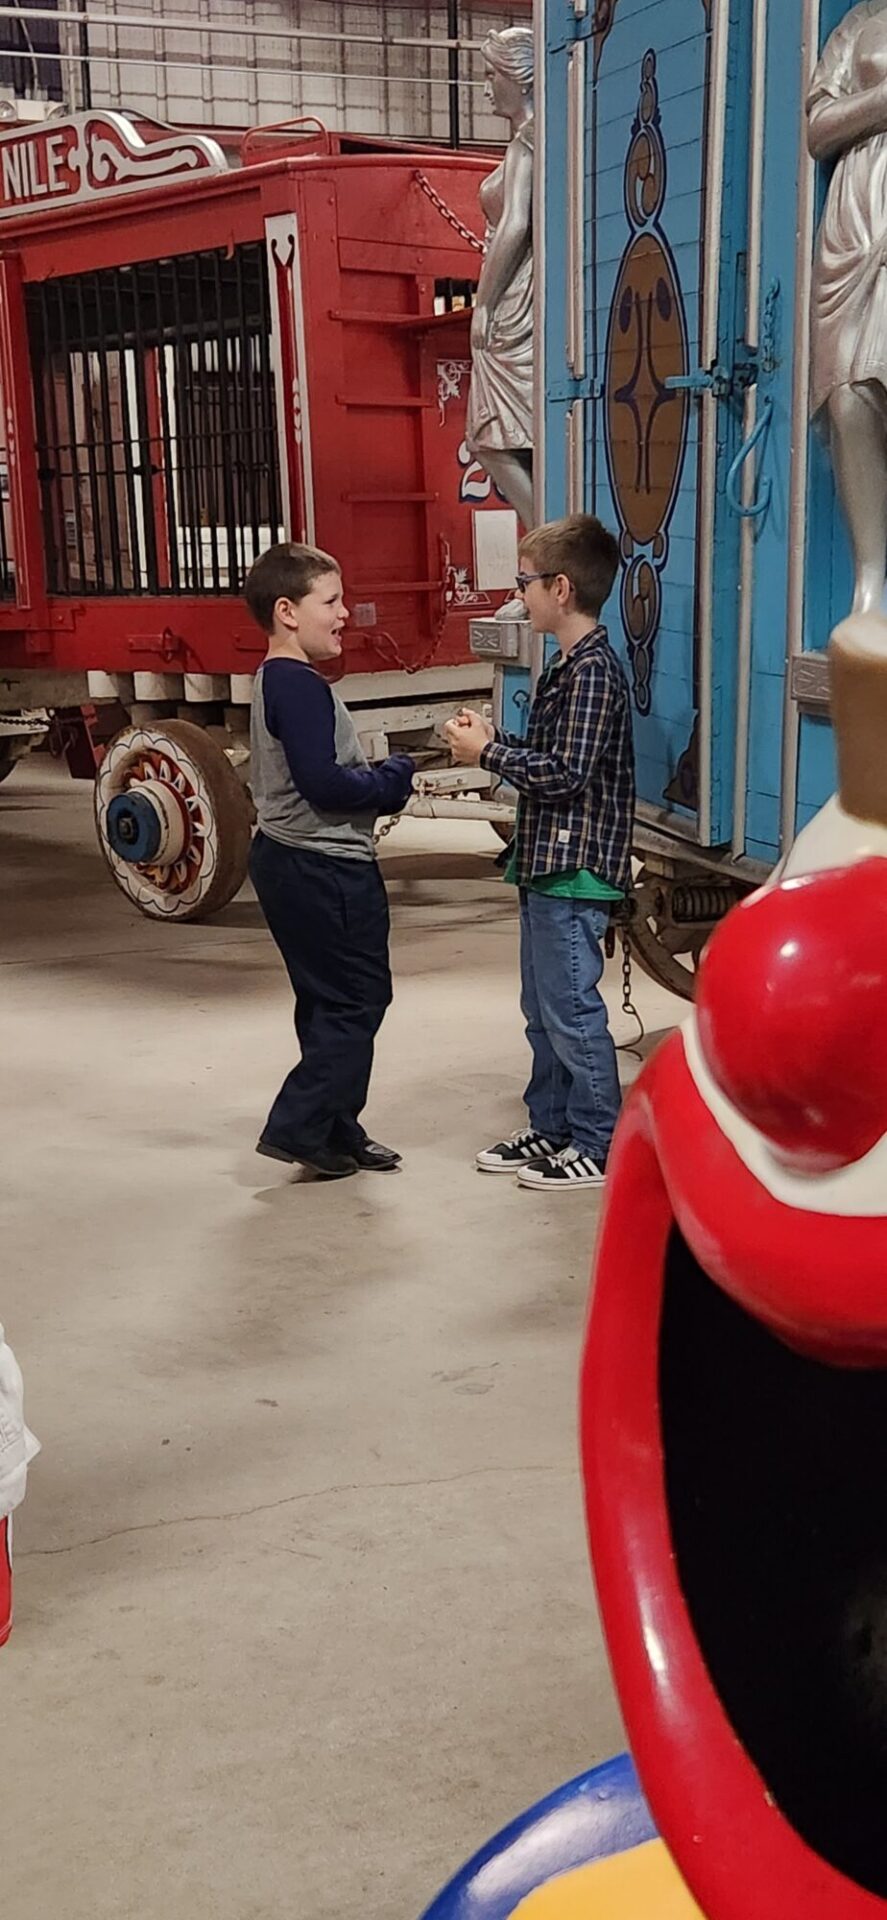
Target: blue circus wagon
{"x": 677, "y": 211}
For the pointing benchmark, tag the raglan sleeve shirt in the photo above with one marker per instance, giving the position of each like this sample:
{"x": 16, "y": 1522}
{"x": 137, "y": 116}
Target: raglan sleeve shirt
{"x": 300, "y": 712}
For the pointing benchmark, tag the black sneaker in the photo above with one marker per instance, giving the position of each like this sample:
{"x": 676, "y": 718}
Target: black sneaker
{"x": 563, "y": 1172}
{"x": 510, "y": 1155}
{"x": 323, "y": 1161}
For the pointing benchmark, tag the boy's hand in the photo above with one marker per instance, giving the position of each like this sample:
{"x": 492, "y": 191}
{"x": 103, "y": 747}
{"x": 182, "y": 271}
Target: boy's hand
{"x": 467, "y": 716}
{"x": 466, "y": 737}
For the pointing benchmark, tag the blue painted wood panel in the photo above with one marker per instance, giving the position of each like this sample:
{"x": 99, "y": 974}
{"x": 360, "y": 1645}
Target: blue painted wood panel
{"x": 675, "y": 36}
{"x": 657, "y": 51}
{"x": 662, "y": 733}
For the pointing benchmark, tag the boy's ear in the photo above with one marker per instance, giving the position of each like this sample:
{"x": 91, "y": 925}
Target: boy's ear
{"x": 286, "y": 612}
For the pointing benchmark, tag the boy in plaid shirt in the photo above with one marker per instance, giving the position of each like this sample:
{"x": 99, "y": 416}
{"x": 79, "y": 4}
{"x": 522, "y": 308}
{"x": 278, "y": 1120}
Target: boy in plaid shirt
{"x": 574, "y": 776}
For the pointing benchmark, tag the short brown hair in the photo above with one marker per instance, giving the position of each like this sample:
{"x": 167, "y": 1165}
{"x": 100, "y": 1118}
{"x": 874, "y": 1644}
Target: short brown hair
{"x": 284, "y": 572}
{"x": 581, "y": 548}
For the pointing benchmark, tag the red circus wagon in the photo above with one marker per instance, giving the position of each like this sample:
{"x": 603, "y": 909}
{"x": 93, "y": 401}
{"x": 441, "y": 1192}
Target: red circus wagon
{"x": 202, "y": 352}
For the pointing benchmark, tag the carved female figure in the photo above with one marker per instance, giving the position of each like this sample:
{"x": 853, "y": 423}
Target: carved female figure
{"x": 847, "y": 122}
{"x": 499, "y": 428}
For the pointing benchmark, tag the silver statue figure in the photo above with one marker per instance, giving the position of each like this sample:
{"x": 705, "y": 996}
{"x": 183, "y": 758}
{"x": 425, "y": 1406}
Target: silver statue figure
{"x": 847, "y": 122}
{"x": 499, "y": 428}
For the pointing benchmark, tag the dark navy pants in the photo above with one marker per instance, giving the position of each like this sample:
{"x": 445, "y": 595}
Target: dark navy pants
{"x": 329, "y": 918}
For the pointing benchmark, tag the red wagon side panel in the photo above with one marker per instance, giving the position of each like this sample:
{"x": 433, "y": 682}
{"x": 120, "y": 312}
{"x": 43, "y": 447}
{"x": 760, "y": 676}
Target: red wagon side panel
{"x": 371, "y": 259}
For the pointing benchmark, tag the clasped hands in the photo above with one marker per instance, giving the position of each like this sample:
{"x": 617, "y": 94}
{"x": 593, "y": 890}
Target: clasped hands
{"x": 466, "y": 736}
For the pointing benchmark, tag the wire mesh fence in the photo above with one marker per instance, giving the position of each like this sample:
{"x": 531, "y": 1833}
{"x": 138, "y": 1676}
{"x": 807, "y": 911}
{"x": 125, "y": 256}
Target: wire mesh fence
{"x": 365, "y": 66}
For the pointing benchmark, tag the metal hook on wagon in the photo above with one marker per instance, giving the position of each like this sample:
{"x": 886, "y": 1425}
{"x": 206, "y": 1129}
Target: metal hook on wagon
{"x": 756, "y": 509}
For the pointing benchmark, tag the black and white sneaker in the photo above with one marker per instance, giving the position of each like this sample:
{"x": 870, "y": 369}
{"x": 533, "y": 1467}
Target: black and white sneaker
{"x": 521, "y": 1150}
{"x": 562, "y": 1172}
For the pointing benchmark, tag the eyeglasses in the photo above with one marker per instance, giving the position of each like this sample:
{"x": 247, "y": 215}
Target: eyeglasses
{"x": 522, "y": 580}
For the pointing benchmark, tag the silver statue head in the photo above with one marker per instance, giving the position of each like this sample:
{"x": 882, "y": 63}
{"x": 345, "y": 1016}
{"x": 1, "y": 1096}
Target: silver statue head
{"x": 508, "y": 60}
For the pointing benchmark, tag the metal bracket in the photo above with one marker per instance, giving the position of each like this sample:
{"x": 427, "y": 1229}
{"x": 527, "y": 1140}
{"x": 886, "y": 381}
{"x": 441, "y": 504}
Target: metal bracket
{"x": 719, "y": 382}
{"x": 747, "y": 367}
{"x": 570, "y": 390}
{"x": 810, "y": 678}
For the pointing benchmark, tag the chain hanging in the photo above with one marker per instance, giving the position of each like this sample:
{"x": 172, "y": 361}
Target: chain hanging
{"x": 621, "y": 919}
{"x": 451, "y": 218}
{"x": 382, "y": 833}
{"x": 628, "y": 1005}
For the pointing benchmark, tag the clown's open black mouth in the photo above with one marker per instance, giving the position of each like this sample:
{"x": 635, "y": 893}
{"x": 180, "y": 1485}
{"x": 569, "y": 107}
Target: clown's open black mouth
{"x": 734, "y": 1388}
{"x": 775, "y": 1477}
{"x": 734, "y": 1415}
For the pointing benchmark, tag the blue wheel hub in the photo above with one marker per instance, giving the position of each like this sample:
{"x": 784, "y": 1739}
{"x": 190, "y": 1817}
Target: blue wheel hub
{"x": 134, "y": 828}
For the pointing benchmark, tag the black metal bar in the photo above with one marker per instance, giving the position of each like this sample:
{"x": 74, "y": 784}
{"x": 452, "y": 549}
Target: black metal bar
{"x": 268, "y": 403}
{"x": 91, "y": 461}
{"x": 85, "y": 77}
{"x": 5, "y": 573}
{"x": 193, "y": 546}
{"x": 203, "y": 396}
{"x": 6, "y": 570}
{"x": 249, "y": 461}
{"x": 126, "y": 439}
{"x": 453, "y": 72}
{"x": 57, "y": 569}
{"x": 227, "y": 434}
{"x": 34, "y": 311}
{"x": 73, "y": 446}
{"x": 7, "y": 578}
{"x": 59, "y": 518}
{"x": 145, "y": 474}
{"x": 108, "y": 441}
{"x": 169, "y": 486}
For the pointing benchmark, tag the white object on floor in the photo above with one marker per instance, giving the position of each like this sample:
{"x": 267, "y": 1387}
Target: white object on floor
{"x": 17, "y": 1444}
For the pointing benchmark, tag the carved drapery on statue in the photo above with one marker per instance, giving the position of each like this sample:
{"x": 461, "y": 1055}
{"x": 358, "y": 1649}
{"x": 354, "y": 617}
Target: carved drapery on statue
{"x": 500, "y": 406}
{"x": 847, "y": 125}
{"x": 499, "y": 426}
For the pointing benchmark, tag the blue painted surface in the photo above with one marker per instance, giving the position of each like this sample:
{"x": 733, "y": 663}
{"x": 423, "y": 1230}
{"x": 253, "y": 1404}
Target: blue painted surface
{"x": 515, "y": 700}
{"x": 676, "y": 32}
{"x": 678, "y": 40}
{"x": 601, "y": 1813}
{"x": 782, "y": 132}
{"x": 817, "y": 769}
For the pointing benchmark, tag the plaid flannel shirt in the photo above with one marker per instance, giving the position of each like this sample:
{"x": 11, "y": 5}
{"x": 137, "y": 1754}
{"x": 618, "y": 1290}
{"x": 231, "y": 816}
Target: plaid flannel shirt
{"x": 575, "y": 771}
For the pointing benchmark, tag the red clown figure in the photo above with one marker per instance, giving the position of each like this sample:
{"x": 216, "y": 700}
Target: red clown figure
{"x": 734, "y": 1417}
{"x": 734, "y": 1391}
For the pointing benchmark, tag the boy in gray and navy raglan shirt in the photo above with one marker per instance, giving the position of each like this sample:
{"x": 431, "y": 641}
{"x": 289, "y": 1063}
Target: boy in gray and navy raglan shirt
{"x": 313, "y": 864}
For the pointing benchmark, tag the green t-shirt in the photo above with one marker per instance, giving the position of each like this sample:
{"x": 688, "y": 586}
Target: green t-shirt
{"x": 578, "y": 885}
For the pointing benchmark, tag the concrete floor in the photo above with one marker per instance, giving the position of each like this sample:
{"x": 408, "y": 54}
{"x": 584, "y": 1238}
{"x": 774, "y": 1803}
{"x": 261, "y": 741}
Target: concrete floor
{"x": 303, "y": 1606}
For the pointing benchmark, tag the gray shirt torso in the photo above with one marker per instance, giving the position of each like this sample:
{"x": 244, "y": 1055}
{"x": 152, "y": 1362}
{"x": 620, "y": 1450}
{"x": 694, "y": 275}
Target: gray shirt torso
{"x": 283, "y": 812}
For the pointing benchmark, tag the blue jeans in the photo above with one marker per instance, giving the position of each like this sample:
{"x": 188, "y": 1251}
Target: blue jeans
{"x": 574, "y": 1092}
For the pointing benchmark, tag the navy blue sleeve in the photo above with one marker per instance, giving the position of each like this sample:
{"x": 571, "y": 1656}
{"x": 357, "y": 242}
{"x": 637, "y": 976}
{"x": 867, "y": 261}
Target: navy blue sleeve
{"x": 300, "y": 712}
